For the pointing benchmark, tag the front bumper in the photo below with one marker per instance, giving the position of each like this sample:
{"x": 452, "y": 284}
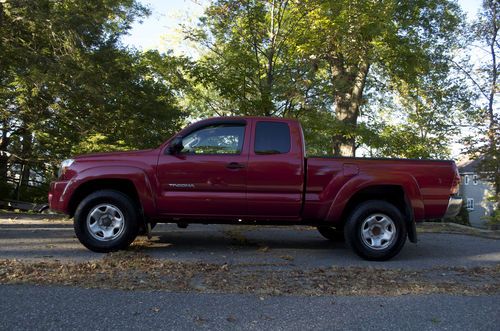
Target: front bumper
{"x": 56, "y": 201}
{"x": 454, "y": 205}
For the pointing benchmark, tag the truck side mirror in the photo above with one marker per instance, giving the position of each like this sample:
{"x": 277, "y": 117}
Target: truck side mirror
{"x": 175, "y": 147}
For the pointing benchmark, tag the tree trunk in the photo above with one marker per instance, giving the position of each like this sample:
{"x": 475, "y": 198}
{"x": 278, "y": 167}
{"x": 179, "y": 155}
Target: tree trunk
{"x": 26, "y": 155}
{"x": 4, "y": 158}
{"x": 493, "y": 125}
{"x": 350, "y": 83}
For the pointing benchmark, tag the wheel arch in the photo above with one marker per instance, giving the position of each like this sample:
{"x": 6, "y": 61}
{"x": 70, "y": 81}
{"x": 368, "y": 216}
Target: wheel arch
{"x": 375, "y": 187}
{"x": 402, "y": 192}
{"x": 393, "y": 194}
{"x": 131, "y": 181}
{"x": 122, "y": 185}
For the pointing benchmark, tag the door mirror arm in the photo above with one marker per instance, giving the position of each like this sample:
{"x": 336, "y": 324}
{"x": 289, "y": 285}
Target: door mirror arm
{"x": 175, "y": 146}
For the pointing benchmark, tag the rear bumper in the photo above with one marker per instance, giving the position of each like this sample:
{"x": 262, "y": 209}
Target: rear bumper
{"x": 454, "y": 205}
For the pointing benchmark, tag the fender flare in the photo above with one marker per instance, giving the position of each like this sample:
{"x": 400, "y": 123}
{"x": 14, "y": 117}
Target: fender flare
{"x": 408, "y": 183}
{"x": 137, "y": 176}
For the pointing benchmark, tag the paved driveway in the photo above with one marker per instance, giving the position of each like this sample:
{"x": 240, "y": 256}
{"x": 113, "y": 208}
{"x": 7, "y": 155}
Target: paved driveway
{"x": 54, "y": 239}
{"x": 252, "y": 278}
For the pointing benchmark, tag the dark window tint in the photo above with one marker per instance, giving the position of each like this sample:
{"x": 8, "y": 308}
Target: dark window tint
{"x": 272, "y": 138}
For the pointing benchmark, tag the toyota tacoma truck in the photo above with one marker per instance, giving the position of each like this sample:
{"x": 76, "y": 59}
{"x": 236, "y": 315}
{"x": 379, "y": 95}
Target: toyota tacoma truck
{"x": 252, "y": 170}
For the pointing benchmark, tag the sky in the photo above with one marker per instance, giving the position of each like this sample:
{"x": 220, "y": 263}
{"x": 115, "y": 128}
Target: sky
{"x": 158, "y": 31}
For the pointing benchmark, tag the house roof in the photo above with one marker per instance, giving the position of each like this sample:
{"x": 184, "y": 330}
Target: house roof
{"x": 468, "y": 165}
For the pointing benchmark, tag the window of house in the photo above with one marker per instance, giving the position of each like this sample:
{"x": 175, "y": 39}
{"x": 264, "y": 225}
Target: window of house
{"x": 470, "y": 204}
{"x": 466, "y": 180}
{"x": 272, "y": 138}
{"x": 475, "y": 180}
{"x": 215, "y": 139}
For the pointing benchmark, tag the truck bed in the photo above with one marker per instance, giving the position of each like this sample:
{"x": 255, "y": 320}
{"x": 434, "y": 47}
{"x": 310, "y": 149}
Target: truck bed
{"x": 330, "y": 180}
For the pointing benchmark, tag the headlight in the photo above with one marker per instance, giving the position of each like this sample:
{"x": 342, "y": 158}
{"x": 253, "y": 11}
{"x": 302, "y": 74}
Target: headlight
{"x": 64, "y": 165}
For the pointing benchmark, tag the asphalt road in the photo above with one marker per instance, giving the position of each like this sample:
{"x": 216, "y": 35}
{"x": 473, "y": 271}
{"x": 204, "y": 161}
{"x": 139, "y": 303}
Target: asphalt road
{"x": 25, "y": 307}
{"x": 65, "y": 308}
{"x": 49, "y": 240}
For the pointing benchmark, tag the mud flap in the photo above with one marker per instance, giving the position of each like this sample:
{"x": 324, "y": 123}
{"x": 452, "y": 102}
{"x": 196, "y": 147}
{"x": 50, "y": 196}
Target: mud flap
{"x": 412, "y": 231}
{"x": 412, "y": 226}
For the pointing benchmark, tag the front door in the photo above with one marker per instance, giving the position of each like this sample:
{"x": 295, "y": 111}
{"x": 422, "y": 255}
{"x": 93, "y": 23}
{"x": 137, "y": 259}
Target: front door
{"x": 208, "y": 177}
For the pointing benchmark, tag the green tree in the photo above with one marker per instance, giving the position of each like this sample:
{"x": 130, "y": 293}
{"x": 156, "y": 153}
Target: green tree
{"x": 400, "y": 40}
{"x": 485, "y": 137}
{"x": 312, "y": 59}
{"x": 249, "y": 63}
{"x": 417, "y": 120}
{"x": 67, "y": 85}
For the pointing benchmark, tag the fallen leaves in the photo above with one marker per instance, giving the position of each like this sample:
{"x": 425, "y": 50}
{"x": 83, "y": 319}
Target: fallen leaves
{"x": 131, "y": 270}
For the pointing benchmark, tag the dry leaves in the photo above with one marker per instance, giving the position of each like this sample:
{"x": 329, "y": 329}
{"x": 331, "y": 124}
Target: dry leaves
{"x": 135, "y": 270}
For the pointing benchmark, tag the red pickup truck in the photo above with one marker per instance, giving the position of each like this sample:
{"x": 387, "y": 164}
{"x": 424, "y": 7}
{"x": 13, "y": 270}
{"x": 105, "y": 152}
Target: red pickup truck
{"x": 252, "y": 170}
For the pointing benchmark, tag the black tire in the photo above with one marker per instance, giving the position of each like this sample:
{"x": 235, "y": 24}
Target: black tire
{"x": 332, "y": 233}
{"x": 129, "y": 216}
{"x": 367, "y": 248}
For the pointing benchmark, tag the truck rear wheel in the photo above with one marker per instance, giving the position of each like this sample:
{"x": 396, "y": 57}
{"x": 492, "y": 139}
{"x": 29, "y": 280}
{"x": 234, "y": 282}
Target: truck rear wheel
{"x": 376, "y": 230}
{"x": 106, "y": 221}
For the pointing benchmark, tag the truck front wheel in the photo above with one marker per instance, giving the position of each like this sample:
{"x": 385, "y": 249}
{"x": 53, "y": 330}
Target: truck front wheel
{"x": 376, "y": 230}
{"x": 106, "y": 221}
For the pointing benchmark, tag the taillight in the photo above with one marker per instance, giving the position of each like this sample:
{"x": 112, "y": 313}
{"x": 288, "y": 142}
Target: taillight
{"x": 455, "y": 184}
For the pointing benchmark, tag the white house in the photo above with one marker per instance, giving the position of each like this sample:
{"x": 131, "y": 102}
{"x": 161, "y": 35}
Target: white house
{"x": 475, "y": 192}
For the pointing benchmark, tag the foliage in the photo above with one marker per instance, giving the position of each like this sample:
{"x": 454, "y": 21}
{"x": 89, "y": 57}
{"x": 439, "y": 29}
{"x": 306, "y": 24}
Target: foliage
{"x": 483, "y": 141}
{"x": 462, "y": 217}
{"x": 377, "y": 76}
{"x": 418, "y": 120}
{"x": 312, "y": 59}
{"x": 494, "y": 218}
{"x": 68, "y": 86}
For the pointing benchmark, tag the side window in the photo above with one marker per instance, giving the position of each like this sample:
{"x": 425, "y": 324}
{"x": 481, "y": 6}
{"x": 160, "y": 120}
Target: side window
{"x": 215, "y": 139}
{"x": 475, "y": 180}
{"x": 470, "y": 204}
{"x": 272, "y": 138}
{"x": 466, "y": 180}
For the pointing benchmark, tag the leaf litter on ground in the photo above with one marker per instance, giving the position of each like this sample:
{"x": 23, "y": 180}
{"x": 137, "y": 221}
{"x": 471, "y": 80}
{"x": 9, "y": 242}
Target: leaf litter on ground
{"x": 135, "y": 270}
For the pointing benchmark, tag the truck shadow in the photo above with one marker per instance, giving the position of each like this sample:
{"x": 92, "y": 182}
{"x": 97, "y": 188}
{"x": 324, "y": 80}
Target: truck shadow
{"x": 222, "y": 243}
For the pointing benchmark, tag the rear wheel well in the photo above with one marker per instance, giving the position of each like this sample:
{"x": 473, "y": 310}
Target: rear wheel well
{"x": 392, "y": 194}
{"x": 122, "y": 185}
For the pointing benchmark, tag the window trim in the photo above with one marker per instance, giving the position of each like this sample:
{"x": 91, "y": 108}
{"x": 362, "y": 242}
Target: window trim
{"x": 470, "y": 204}
{"x": 466, "y": 179}
{"x": 235, "y": 123}
{"x": 475, "y": 179}
{"x": 198, "y": 125}
{"x": 273, "y": 122}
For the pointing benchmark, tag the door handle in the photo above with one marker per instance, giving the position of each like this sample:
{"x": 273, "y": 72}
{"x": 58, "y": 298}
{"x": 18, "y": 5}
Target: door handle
{"x": 235, "y": 165}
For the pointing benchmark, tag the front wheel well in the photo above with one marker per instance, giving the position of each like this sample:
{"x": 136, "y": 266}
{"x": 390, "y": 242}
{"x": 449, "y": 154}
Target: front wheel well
{"x": 122, "y": 185}
{"x": 392, "y": 194}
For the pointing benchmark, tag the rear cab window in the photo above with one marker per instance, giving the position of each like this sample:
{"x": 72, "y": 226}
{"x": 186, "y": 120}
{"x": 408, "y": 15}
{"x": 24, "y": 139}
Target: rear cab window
{"x": 272, "y": 138}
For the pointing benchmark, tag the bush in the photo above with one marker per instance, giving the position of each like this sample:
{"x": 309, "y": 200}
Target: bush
{"x": 462, "y": 217}
{"x": 6, "y": 190}
{"x": 494, "y": 219}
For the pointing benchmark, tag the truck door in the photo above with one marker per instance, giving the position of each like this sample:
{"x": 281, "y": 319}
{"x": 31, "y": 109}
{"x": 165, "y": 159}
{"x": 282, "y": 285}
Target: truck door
{"x": 275, "y": 170}
{"x": 208, "y": 176}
